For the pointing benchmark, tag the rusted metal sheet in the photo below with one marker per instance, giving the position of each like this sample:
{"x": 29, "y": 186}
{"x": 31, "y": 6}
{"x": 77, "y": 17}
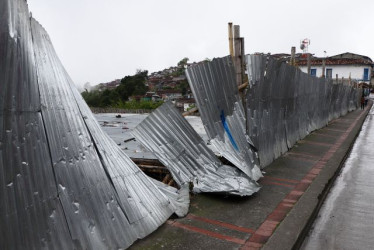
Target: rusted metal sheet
{"x": 177, "y": 145}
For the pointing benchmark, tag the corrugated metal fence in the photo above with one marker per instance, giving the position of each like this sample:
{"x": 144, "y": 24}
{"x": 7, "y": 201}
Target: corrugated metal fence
{"x": 284, "y": 105}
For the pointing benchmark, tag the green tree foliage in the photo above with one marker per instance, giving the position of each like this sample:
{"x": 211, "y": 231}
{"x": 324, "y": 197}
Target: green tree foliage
{"x": 130, "y": 85}
{"x": 181, "y": 65}
{"x": 141, "y": 104}
{"x": 109, "y": 98}
{"x": 133, "y": 85}
{"x": 183, "y": 87}
{"x": 96, "y": 98}
{"x": 183, "y": 62}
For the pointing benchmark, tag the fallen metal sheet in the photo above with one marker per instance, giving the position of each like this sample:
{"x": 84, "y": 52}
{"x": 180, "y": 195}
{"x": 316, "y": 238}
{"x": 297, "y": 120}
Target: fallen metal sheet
{"x": 214, "y": 87}
{"x": 63, "y": 183}
{"x": 177, "y": 145}
{"x": 284, "y": 105}
{"x": 17, "y": 63}
{"x": 114, "y": 159}
{"x": 31, "y": 215}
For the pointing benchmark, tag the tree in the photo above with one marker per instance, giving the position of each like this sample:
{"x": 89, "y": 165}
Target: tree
{"x": 183, "y": 62}
{"x": 92, "y": 98}
{"x": 109, "y": 98}
{"x": 133, "y": 85}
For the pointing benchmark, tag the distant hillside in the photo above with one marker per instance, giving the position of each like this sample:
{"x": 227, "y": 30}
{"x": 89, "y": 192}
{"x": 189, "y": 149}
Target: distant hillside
{"x": 141, "y": 90}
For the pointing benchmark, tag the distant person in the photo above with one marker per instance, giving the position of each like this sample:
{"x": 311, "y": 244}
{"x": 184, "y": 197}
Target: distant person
{"x": 362, "y": 102}
{"x": 366, "y": 100}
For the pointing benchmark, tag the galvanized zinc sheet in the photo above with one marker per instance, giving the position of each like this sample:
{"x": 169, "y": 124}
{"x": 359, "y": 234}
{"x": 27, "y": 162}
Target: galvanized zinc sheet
{"x": 63, "y": 183}
{"x": 133, "y": 206}
{"x": 114, "y": 159}
{"x": 28, "y": 190}
{"x": 177, "y": 145}
{"x": 17, "y": 63}
{"x": 214, "y": 88}
{"x": 284, "y": 105}
{"x": 31, "y": 215}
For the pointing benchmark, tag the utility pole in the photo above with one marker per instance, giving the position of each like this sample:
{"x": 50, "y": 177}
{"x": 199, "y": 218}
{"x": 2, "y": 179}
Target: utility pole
{"x": 323, "y": 67}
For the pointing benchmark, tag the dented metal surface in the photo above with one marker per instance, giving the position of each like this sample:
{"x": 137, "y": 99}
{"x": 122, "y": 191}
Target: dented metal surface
{"x": 28, "y": 190}
{"x": 17, "y": 63}
{"x": 177, "y": 145}
{"x": 216, "y": 93}
{"x": 63, "y": 183}
{"x": 284, "y": 105}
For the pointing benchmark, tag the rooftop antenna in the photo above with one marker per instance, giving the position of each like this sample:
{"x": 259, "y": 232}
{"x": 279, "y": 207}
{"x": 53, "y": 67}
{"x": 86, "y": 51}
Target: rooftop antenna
{"x": 304, "y": 44}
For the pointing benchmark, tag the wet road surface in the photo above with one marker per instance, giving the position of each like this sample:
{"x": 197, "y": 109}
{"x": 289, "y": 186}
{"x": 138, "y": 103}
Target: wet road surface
{"x": 346, "y": 219}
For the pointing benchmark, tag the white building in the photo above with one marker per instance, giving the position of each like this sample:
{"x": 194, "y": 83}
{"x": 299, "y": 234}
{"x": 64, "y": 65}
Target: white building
{"x": 347, "y": 65}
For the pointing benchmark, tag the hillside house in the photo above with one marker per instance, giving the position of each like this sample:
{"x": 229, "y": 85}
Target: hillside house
{"x": 184, "y": 104}
{"x": 171, "y": 94}
{"x": 344, "y": 66}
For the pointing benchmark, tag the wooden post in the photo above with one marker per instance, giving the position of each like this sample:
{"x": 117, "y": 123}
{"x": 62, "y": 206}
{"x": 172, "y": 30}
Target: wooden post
{"x": 308, "y": 63}
{"x": 231, "y": 43}
{"x": 237, "y": 55}
{"x": 323, "y": 67}
{"x": 293, "y": 54}
{"x": 244, "y": 63}
{"x": 337, "y": 78}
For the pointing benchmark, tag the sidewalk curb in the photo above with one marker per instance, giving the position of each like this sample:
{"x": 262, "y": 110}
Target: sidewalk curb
{"x": 292, "y": 231}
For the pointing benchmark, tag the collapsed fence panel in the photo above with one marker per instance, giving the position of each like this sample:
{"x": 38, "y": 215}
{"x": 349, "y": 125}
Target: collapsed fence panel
{"x": 214, "y": 87}
{"x": 284, "y": 105}
{"x": 177, "y": 145}
{"x": 64, "y": 184}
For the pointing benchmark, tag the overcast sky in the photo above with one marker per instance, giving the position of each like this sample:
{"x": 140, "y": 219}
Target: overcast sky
{"x": 99, "y": 41}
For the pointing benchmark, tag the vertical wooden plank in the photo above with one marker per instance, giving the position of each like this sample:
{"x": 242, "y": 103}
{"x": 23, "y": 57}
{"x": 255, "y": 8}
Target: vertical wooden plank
{"x": 293, "y": 53}
{"x": 243, "y": 62}
{"x": 323, "y": 67}
{"x": 237, "y": 54}
{"x": 231, "y": 43}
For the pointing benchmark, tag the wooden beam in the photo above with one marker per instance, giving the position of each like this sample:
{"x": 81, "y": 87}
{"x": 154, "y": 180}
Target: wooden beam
{"x": 191, "y": 111}
{"x": 166, "y": 179}
{"x": 231, "y": 42}
{"x": 242, "y": 86}
{"x": 293, "y": 54}
{"x": 243, "y": 62}
{"x": 237, "y": 55}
